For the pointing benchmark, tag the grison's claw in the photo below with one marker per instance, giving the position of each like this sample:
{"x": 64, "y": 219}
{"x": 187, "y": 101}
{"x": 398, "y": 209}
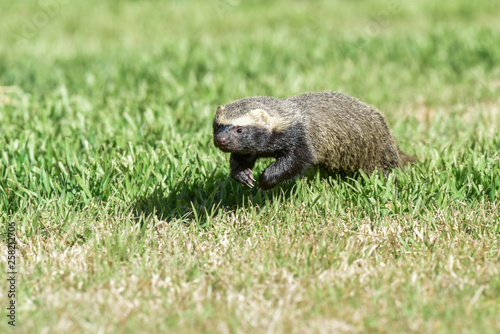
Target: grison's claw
{"x": 245, "y": 177}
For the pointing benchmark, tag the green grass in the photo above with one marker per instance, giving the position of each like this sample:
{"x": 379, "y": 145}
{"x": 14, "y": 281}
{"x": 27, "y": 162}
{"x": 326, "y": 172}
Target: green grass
{"x": 128, "y": 220}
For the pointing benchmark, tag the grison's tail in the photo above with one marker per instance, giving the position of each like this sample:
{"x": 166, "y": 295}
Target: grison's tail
{"x": 406, "y": 159}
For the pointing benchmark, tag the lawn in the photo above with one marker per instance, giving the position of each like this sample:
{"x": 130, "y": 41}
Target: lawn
{"x": 125, "y": 216}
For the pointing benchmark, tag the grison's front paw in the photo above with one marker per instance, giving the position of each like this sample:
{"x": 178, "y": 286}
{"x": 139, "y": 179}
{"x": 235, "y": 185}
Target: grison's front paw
{"x": 244, "y": 176}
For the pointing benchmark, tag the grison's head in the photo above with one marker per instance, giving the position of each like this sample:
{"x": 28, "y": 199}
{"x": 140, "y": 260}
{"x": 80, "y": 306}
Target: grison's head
{"x": 245, "y": 126}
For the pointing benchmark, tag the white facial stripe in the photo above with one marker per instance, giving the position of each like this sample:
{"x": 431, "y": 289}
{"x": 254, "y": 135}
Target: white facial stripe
{"x": 246, "y": 120}
{"x": 256, "y": 117}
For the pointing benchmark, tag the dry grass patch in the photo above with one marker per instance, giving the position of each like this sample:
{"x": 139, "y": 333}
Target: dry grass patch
{"x": 407, "y": 273}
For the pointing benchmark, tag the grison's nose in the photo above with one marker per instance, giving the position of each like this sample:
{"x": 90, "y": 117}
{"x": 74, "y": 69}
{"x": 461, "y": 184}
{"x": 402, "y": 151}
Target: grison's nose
{"x": 222, "y": 138}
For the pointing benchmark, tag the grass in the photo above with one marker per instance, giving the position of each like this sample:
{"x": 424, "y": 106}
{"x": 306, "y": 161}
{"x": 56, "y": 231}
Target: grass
{"x": 127, "y": 220}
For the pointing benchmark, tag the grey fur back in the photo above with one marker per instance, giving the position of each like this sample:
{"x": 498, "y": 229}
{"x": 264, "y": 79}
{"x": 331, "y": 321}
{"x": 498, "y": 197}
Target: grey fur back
{"x": 346, "y": 134}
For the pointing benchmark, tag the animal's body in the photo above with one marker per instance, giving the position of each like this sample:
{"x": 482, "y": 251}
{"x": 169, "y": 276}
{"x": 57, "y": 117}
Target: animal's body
{"x": 332, "y": 130}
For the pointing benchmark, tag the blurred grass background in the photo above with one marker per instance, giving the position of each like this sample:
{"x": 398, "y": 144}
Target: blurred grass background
{"x": 128, "y": 221}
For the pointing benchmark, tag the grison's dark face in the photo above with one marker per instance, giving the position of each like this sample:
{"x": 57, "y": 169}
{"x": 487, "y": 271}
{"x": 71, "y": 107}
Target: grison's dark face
{"x": 239, "y": 139}
{"x": 239, "y": 129}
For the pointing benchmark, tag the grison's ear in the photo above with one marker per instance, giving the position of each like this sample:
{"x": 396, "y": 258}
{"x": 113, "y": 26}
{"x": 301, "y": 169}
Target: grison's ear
{"x": 220, "y": 108}
{"x": 261, "y": 117}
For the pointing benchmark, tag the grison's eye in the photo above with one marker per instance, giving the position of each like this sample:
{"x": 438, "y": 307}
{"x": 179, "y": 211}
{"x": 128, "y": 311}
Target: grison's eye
{"x": 239, "y": 130}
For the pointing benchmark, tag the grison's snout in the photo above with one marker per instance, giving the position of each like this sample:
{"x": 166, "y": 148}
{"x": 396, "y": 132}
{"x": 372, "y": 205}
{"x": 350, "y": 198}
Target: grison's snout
{"x": 221, "y": 138}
